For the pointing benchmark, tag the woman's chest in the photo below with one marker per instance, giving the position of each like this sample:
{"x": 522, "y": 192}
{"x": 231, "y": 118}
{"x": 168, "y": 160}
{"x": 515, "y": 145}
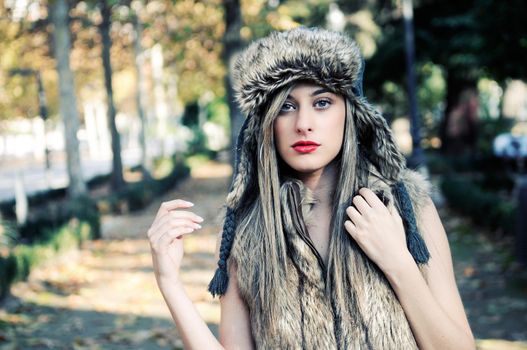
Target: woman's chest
{"x": 319, "y": 234}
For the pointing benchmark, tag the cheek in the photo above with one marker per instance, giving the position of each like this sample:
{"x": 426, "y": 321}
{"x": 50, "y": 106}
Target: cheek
{"x": 280, "y": 136}
{"x": 337, "y": 127}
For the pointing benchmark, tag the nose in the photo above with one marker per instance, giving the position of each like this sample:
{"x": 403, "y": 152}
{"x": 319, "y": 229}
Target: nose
{"x": 304, "y": 121}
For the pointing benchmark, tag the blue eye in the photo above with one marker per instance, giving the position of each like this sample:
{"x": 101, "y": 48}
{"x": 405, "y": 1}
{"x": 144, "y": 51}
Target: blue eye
{"x": 323, "y": 104}
{"x": 287, "y": 107}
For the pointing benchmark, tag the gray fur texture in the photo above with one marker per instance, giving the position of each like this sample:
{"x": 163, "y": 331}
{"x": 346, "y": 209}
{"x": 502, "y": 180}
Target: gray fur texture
{"x": 328, "y": 58}
{"x": 373, "y": 317}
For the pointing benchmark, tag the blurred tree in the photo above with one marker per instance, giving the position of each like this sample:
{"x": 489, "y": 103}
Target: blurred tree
{"x": 232, "y": 43}
{"x": 68, "y": 103}
{"x": 104, "y": 28}
{"x": 503, "y": 32}
{"x": 468, "y": 39}
{"x": 140, "y": 90}
{"x": 25, "y": 43}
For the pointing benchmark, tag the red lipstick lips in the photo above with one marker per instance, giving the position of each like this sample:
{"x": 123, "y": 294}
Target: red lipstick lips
{"x": 305, "y": 146}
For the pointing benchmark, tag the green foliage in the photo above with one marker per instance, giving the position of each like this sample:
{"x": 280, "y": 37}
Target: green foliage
{"x": 480, "y": 187}
{"x": 197, "y": 159}
{"x": 260, "y": 18}
{"x": 198, "y": 144}
{"x": 431, "y": 92}
{"x": 8, "y": 234}
{"x": 191, "y": 34}
{"x": 394, "y": 99}
{"x": 137, "y": 195}
{"x": 486, "y": 208}
{"x": 218, "y": 113}
{"x": 85, "y": 209}
{"x": 8, "y": 272}
{"x": 17, "y": 265}
{"x": 190, "y": 115}
{"x": 52, "y": 215}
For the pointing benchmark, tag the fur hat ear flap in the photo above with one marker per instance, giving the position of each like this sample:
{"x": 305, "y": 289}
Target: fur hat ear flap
{"x": 240, "y": 182}
{"x": 376, "y": 140}
{"x": 243, "y": 178}
{"x": 242, "y": 173}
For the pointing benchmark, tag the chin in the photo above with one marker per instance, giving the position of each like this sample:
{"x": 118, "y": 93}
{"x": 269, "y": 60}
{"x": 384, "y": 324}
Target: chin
{"x": 309, "y": 165}
{"x": 307, "y": 168}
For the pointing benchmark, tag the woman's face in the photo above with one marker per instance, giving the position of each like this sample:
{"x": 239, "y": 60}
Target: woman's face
{"x": 309, "y": 128}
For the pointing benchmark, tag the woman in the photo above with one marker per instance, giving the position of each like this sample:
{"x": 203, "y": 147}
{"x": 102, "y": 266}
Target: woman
{"x": 329, "y": 242}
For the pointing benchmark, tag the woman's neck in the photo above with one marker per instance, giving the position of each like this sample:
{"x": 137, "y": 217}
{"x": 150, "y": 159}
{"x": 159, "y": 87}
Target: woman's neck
{"x": 322, "y": 183}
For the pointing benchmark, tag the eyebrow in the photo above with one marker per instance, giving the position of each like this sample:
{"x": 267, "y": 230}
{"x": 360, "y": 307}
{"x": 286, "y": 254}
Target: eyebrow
{"x": 314, "y": 93}
{"x": 320, "y": 91}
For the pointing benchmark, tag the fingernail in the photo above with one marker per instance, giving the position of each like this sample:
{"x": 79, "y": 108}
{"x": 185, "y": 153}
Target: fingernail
{"x": 190, "y": 203}
{"x": 199, "y": 218}
{"x": 197, "y": 225}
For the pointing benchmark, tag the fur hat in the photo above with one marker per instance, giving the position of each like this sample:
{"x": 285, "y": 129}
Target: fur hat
{"x": 330, "y": 59}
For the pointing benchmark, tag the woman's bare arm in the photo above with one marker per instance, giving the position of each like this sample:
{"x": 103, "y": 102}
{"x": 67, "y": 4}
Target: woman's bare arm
{"x": 235, "y": 332}
{"x": 235, "y": 329}
{"x": 166, "y": 236}
{"x": 193, "y": 330}
{"x": 434, "y": 310}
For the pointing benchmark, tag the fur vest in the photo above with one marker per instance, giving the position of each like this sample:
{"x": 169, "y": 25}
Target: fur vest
{"x": 308, "y": 318}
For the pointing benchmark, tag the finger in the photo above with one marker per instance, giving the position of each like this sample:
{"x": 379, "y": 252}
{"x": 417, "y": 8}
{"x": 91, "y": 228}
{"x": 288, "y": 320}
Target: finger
{"x": 176, "y": 214}
{"x": 169, "y": 236}
{"x": 353, "y": 214}
{"x": 184, "y": 214}
{"x": 175, "y": 224}
{"x": 360, "y": 203}
{"x": 371, "y": 198}
{"x": 172, "y": 224}
{"x": 173, "y": 204}
{"x": 351, "y": 228}
{"x": 158, "y": 224}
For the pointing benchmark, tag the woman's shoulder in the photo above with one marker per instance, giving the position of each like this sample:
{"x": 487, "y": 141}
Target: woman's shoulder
{"x": 419, "y": 188}
{"x": 417, "y": 183}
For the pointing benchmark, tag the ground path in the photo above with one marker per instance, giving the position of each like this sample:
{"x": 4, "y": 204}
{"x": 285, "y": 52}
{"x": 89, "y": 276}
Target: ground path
{"x": 105, "y": 296}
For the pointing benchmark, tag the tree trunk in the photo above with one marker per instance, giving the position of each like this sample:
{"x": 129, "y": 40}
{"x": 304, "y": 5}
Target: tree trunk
{"x": 104, "y": 28}
{"x": 139, "y": 94}
{"x": 68, "y": 103}
{"x": 231, "y": 44}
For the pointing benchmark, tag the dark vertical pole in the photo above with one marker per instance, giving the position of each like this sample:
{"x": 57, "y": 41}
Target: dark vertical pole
{"x": 521, "y": 220}
{"x": 43, "y": 114}
{"x": 417, "y": 158}
{"x": 232, "y": 43}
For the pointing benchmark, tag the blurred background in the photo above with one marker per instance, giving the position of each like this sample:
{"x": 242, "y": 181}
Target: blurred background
{"x": 109, "y": 107}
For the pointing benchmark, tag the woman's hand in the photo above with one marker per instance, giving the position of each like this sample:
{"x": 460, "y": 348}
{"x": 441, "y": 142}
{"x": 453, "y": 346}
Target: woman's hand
{"x": 165, "y": 236}
{"x": 378, "y": 231}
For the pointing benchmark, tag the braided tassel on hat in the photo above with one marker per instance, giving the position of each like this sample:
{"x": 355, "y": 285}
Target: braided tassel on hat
{"x": 220, "y": 281}
{"x": 415, "y": 243}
